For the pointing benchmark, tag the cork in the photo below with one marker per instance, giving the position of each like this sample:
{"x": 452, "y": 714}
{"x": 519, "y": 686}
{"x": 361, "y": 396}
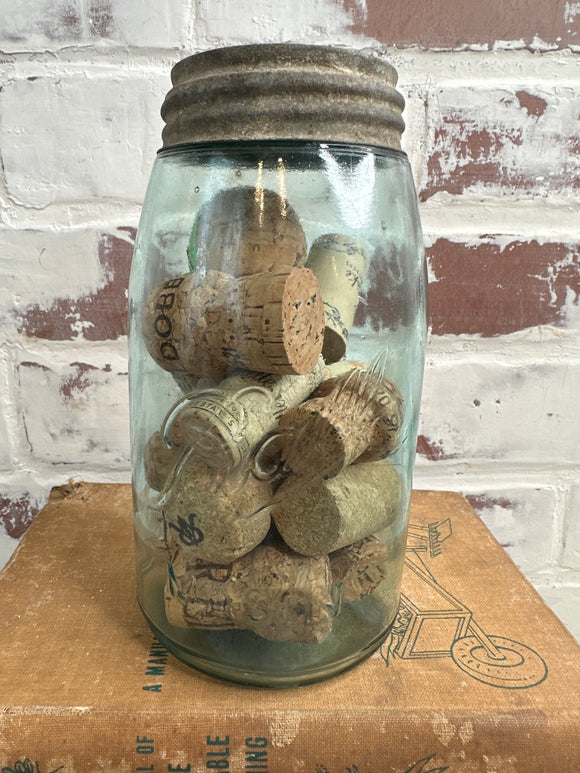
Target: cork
{"x": 282, "y": 596}
{"x": 247, "y": 230}
{"x": 325, "y": 515}
{"x": 359, "y": 568}
{"x": 212, "y": 324}
{"x": 355, "y": 416}
{"x": 380, "y": 606}
{"x": 214, "y": 517}
{"x": 338, "y": 262}
{"x": 197, "y": 597}
{"x": 283, "y": 315}
{"x": 159, "y": 460}
{"x": 272, "y": 592}
{"x": 173, "y": 321}
{"x": 226, "y": 423}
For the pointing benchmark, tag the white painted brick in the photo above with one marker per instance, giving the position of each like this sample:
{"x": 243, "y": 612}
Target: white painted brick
{"x": 571, "y": 536}
{"x": 219, "y": 23}
{"x": 40, "y": 25}
{"x": 414, "y": 137}
{"x": 65, "y": 284}
{"x": 6, "y": 446}
{"x": 36, "y": 267}
{"x": 7, "y": 547}
{"x": 84, "y": 136}
{"x": 21, "y": 498}
{"x": 491, "y": 410}
{"x": 522, "y": 520}
{"x": 564, "y": 601}
{"x": 76, "y": 412}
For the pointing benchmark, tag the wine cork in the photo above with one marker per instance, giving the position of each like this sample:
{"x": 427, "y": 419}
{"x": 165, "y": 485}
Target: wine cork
{"x": 246, "y": 231}
{"x": 209, "y": 325}
{"x": 356, "y": 416}
{"x": 225, "y": 424}
{"x": 326, "y": 515}
{"x": 159, "y": 459}
{"x": 359, "y": 568}
{"x": 338, "y": 262}
{"x": 197, "y": 598}
{"x": 380, "y": 606}
{"x": 283, "y": 596}
{"x": 271, "y": 591}
{"x": 214, "y": 517}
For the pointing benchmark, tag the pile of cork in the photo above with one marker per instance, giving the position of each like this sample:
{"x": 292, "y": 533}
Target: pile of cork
{"x": 271, "y": 473}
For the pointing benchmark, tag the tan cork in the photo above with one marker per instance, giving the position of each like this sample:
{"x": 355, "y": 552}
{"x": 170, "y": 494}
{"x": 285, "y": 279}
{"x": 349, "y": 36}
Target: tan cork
{"x": 210, "y": 325}
{"x": 338, "y": 262}
{"x": 326, "y": 515}
{"x": 214, "y": 517}
{"x": 283, "y": 596}
{"x": 248, "y": 230}
{"x": 355, "y": 416}
{"x": 226, "y": 423}
{"x": 283, "y": 315}
{"x": 159, "y": 459}
{"x": 380, "y": 606}
{"x": 359, "y": 568}
{"x": 196, "y": 596}
{"x": 173, "y": 321}
{"x": 272, "y": 591}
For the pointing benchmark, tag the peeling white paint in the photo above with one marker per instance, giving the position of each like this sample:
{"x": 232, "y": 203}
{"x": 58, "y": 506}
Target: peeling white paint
{"x": 571, "y": 10}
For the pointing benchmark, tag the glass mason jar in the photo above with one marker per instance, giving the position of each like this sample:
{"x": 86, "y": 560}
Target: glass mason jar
{"x": 277, "y": 336}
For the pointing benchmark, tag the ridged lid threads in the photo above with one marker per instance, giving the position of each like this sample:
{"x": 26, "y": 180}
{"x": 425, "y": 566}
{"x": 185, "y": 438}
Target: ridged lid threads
{"x": 284, "y": 91}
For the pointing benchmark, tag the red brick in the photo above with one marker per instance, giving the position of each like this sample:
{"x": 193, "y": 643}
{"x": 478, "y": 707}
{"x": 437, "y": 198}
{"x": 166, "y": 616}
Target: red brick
{"x": 501, "y": 142}
{"x": 489, "y": 290}
{"x": 454, "y": 24}
{"x": 102, "y": 314}
{"x": 17, "y": 513}
{"x": 433, "y": 449}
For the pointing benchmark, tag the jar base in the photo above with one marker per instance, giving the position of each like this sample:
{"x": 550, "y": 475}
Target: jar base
{"x": 281, "y": 677}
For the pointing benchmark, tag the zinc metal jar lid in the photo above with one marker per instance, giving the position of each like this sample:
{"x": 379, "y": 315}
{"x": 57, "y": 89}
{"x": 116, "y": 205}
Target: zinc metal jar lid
{"x": 284, "y": 91}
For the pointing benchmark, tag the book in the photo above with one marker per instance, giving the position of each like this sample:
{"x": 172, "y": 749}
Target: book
{"x": 477, "y": 673}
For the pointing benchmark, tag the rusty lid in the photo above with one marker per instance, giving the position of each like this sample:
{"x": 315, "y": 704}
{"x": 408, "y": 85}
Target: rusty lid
{"x": 284, "y": 91}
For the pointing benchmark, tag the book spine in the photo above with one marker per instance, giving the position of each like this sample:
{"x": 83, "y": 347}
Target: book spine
{"x": 85, "y": 740}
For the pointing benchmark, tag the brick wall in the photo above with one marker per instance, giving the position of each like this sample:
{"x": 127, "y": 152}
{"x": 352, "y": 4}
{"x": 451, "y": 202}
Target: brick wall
{"x": 493, "y": 137}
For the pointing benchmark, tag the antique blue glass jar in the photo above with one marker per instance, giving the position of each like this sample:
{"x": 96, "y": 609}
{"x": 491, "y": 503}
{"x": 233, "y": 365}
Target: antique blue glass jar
{"x": 277, "y": 338}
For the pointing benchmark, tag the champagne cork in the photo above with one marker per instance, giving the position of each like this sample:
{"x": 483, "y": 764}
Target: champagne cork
{"x": 355, "y": 416}
{"x": 247, "y": 231}
{"x": 159, "y": 459}
{"x": 214, "y": 517}
{"x": 338, "y": 262}
{"x": 173, "y": 321}
{"x": 225, "y": 424}
{"x": 282, "y": 317}
{"x": 271, "y": 591}
{"x": 210, "y": 325}
{"x": 359, "y": 568}
{"x": 326, "y": 515}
